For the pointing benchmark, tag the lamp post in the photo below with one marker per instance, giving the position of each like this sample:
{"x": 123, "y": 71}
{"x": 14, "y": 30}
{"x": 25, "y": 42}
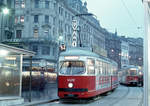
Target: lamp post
{"x": 60, "y": 38}
{"x": 77, "y": 28}
{"x": 4, "y": 12}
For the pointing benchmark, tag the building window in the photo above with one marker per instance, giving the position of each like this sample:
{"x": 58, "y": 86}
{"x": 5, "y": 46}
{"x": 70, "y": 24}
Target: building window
{"x": 54, "y": 31}
{"x": 36, "y": 18}
{"x": 46, "y": 19}
{"x": 65, "y": 27}
{"x": 36, "y": 2}
{"x": 16, "y": 20}
{"x": 65, "y": 14}
{"x": 59, "y": 10}
{"x": 18, "y": 34}
{"x": 54, "y": 21}
{"x": 46, "y": 4}
{"x": 35, "y": 49}
{"x": 46, "y": 32}
{"x": 53, "y": 51}
{"x": 45, "y": 50}
{"x": 22, "y": 19}
{"x": 54, "y": 5}
{"x": 16, "y": 3}
{"x": 35, "y": 33}
{"x": 23, "y": 4}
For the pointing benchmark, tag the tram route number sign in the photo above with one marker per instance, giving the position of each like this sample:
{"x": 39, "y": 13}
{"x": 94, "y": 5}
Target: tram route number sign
{"x": 74, "y": 34}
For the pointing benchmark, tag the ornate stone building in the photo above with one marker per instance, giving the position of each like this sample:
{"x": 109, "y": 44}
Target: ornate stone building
{"x": 38, "y": 24}
{"x": 135, "y": 51}
{"x": 113, "y": 47}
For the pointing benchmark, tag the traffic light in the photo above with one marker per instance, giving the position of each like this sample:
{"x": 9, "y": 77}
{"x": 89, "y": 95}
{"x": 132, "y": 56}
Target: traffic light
{"x": 62, "y": 47}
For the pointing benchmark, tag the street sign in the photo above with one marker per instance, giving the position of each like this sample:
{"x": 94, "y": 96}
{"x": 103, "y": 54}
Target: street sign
{"x": 74, "y": 34}
{"x": 74, "y": 24}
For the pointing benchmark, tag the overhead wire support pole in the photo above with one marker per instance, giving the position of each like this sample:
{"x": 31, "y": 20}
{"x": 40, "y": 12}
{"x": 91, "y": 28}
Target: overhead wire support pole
{"x": 146, "y": 55}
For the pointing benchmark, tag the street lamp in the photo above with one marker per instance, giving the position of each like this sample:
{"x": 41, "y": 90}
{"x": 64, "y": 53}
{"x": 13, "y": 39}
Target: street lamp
{"x": 60, "y": 39}
{"x": 77, "y": 28}
{"x": 3, "y": 52}
{"x": 5, "y": 11}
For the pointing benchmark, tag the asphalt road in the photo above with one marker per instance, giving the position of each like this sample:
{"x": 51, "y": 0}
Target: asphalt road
{"x": 122, "y": 96}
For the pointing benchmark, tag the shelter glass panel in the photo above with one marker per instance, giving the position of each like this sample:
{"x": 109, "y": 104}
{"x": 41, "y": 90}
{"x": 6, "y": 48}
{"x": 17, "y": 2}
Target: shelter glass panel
{"x": 9, "y": 76}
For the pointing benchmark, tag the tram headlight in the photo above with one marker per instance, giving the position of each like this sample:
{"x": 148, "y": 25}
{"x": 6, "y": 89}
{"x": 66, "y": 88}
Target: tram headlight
{"x": 70, "y": 85}
{"x": 140, "y": 73}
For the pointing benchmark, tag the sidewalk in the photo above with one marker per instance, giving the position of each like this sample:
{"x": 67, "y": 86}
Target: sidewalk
{"x": 39, "y": 97}
{"x": 34, "y": 103}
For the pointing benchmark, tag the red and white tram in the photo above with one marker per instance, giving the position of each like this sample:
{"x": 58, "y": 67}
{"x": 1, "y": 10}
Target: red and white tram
{"x": 84, "y": 74}
{"x": 130, "y": 75}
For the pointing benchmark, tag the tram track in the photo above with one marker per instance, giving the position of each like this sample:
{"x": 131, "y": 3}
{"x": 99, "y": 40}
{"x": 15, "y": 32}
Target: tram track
{"x": 120, "y": 98}
{"x": 141, "y": 101}
{"x": 116, "y": 101}
{"x": 114, "y": 98}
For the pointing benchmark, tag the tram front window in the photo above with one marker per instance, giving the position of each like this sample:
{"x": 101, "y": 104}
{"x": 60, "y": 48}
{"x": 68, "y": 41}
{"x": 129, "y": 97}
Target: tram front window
{"x": 132, "y": 72}
{"x": 72, "y": 68}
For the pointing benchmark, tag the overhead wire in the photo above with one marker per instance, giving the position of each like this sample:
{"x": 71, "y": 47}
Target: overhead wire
{"x": 129, "y": 14}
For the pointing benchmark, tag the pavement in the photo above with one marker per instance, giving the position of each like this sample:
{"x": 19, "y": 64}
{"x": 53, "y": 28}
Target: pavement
{"x": 40, "y": 97}
{"x": 50, "y": 94}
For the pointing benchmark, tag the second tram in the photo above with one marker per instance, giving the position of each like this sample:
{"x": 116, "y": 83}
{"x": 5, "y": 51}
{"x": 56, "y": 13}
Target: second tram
{"x": 131, "y": 75}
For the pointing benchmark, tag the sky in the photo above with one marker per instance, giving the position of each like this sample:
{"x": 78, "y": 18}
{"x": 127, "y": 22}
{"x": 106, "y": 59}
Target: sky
{"x": 125, "y": 16}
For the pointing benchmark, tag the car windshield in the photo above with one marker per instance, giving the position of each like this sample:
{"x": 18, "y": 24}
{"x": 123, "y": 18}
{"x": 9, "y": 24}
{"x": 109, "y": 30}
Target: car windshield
{"x": 72, "y": 68}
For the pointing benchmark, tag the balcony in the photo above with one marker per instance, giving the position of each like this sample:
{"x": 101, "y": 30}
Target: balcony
{"x": 19, "y": 25}
{"x": 36, "y": 11}
{"x": 46, "y": 24}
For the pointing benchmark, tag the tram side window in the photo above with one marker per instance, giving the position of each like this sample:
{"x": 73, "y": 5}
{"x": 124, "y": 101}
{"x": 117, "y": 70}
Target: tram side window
{"x": 100, "y": 71}
{"x": 108, "y": 69}
{"x": 103, "y": 68}
{"x": 115, "y": 71}
{"x": 111, "y": 70}
{"x": 97, "y": 67}
{"x": 90, "y": 66}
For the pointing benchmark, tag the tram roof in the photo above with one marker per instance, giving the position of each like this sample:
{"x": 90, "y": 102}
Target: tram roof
{"x": 76, "y": 51}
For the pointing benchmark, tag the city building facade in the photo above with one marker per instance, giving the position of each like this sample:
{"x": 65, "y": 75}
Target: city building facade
{"x": 113, "y": 47}
{"x": 124, "y": 52}
{"x": 135, "y": 51}
{"x": 6, "y": 19}
{"x": 38, "y": 24}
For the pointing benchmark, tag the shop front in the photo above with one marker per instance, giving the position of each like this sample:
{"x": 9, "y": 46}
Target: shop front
{"x": 11, "y": 59}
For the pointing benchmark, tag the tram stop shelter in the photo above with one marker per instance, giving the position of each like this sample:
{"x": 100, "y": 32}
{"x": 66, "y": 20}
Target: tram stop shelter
{"x": 11, "y": 59}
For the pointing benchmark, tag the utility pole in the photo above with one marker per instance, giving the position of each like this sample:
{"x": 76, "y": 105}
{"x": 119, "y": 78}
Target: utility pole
{"x": 146, "y": 54}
